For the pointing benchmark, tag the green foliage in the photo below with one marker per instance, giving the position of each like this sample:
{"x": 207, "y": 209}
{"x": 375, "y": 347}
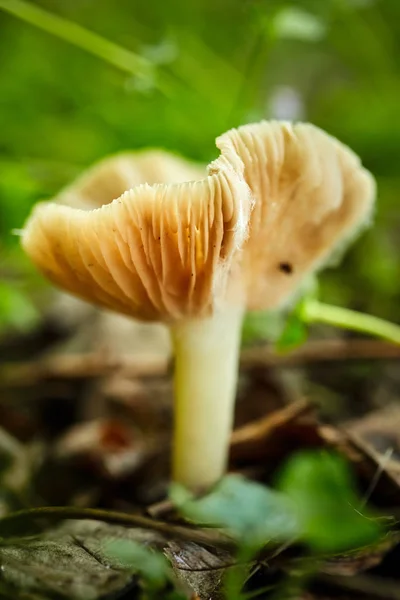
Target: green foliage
{"x": 16, "y": 309}
{"x": 315, "y": 503}
{"x": 17, "y": 187}
{"x": 177, "y": 74}
{"x": 286, "y": 328}
{"x": 297, "y": 24}
{"x": 262, "y": 325}
{"x": 153, "y": 568}
{"x": 294, "y": 334}
{"x": 291, "y": 330}
{"x": 252, "y": 513}
{"x": 326, "y": 504}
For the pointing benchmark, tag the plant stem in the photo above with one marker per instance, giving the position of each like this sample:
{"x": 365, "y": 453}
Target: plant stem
{"x": 79, "y": 36}
{"x": 206, "y": 370}
{"x": 314, "y": 311}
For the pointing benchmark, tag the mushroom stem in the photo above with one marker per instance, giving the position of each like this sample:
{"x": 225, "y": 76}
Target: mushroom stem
{"x": 206, "y": 370}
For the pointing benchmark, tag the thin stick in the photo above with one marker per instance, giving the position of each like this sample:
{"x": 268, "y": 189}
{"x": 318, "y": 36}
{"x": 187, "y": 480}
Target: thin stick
{"x": 372, "y": 586}
{"x": 321, "y": 351}
{"x": 79, "y": 366}
{"x": 263, "y": 427}
{"x": 59, "y": 513}
{"x": 90, "y": 365}
{"x": 382, "y": 464}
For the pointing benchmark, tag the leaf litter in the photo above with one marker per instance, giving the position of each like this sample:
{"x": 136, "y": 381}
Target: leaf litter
{"x": 99, "y": 436}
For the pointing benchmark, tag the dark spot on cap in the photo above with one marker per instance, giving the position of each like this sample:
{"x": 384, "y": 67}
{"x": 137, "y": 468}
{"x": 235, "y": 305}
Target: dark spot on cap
{"x": 286, "y": 267}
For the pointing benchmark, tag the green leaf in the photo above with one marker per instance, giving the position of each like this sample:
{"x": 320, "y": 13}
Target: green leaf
{"x": 18, "y": 190}
{"x": 16, "y": 310}
{"x": 252, "y": 513}
{"x": 296, "y": 24}
{"x": 295, "y": 331}
{"x": 327, "y": 506}
{"x": 152, "y": 566}
{"x": 261, "y": 325}
{"x": 294, "y": 334}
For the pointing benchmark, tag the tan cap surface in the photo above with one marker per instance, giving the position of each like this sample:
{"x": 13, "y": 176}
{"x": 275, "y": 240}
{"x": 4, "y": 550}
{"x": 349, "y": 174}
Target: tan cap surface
{"x": 112, "y": 176}
{"x": 276, "y": 203}
{"x": 311, "y": 194}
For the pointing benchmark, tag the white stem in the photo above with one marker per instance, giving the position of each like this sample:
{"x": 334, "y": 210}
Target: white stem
{"x": 206, "y": 370}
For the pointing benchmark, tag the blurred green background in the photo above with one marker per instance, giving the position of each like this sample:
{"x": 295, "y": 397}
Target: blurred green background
{"x": 187, "y": 72}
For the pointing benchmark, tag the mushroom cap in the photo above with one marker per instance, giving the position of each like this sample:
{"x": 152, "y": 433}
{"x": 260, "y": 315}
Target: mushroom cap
{"x": 312, "y": 197}
{"x": 111, "y": 177}
{"x": 157, "y": 252}
{"x": 275, "y": 204}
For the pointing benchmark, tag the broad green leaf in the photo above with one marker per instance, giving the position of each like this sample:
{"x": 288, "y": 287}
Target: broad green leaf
{"x": 251, "y": 512}
{"x": 328, "y": 509}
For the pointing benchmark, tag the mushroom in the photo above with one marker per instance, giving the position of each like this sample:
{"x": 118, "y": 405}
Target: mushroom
{"x": 112, "y": 176}
{"x": 275, "y": 204}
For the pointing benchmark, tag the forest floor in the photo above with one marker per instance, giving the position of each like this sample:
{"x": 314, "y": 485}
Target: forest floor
{"x": 86, "y": 422}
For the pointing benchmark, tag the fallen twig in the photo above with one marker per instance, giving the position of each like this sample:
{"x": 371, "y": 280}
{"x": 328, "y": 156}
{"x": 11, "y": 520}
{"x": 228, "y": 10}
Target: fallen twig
{"x": 261, "y": 428}
{"x": 13, "y": 522}
{"x": 337, "y": 350}
{"x": 91, "y": 365}
{"x": 373, "y": 587}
